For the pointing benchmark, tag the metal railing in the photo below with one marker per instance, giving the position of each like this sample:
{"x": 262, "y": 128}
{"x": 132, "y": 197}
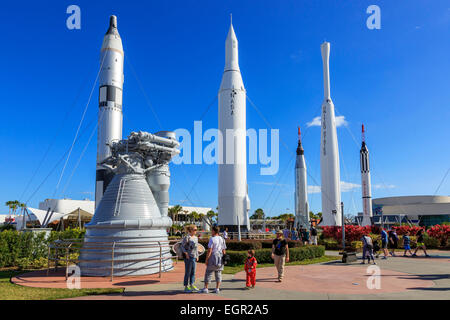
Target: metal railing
{"x": 60, "y": 250}
{"x": 244, "y": 235}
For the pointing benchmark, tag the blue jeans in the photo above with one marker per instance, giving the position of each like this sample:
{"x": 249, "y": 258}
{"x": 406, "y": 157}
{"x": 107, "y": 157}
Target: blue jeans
{"x": 189, "y": 271}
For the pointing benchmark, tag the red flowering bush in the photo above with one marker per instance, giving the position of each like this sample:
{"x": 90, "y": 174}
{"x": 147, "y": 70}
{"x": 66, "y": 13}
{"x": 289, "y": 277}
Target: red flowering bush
{"x": 440, "y": 232}
{"x": 352, "y": 233}
{"x": 401, "y": 230}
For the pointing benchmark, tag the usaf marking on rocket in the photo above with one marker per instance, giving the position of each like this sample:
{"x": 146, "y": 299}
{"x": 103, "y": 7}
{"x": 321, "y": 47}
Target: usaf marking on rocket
{"x": 110, "y": 103}
{"x": 329, "y": 152}
{"x": 301, "y": 191}
{"x": 234, "y": 203}
{"x": 365, "y": 182}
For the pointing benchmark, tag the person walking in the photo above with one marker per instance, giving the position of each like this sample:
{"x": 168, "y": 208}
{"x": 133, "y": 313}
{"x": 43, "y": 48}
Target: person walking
{"x": 367, "y": 249}
{"x": 407, "y": 243}
{"x": 420, "y": 243}
{"x": 189, "y": 247}
{"x": 280, "y": 254}
{"x": 313, "y": 235}
{"x": 393, "y": 241}
{"x": 250, "y": 269}
{"x": 384, "y": 243}
{"x": 214, "y": 260}
{"x": 225, "y": 234}
{"x": 294, "y": 234}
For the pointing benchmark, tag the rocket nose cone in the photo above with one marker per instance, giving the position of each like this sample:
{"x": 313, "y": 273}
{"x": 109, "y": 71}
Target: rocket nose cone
{"x": 113, "y": 21}
{"x": 113, "y": 26}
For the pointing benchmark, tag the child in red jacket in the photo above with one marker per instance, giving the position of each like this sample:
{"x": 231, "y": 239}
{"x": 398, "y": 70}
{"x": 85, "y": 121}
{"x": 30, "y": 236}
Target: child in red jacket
{"x": 250, "y": 269}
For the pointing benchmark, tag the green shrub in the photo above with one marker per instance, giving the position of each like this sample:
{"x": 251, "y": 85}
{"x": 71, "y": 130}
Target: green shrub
{"x": 265, "y": 255}
{"x": 235, "y": 245}
{"x": 291, "y": 243}
{"x": 331, "y": 244}
{"x": 356, "y": 245}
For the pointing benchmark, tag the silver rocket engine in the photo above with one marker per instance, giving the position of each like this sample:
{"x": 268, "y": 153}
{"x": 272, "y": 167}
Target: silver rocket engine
{"x": 109, "y": 102}
{"x": 329, "y": 152}
{"x": 234, "y": 203}
{"x": 301, "y": 188}
{"x": 365, "y": 182}
{"x": 131, "y": 220}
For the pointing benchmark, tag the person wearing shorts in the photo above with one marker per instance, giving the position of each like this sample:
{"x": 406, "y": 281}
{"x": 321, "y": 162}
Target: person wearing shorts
{"x": 384, "y": 243}
{"x": 407, "y": 244}
{"x": 420, "y": 243}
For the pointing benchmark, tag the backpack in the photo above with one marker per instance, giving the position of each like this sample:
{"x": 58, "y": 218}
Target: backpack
{"x": 313, "y": 232}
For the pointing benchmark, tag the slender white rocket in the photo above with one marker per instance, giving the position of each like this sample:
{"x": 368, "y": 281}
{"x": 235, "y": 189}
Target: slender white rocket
{"x": 329, "y": 152}
{"x": 365, "y": 181}
{"x": 301, "y": 191}
{"x": 234, "y": 203}
{"x": 110, "y": 103}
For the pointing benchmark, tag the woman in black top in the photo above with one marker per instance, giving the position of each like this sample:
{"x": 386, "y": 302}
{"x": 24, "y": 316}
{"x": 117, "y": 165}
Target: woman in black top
{"x": 280, "y": 254}
{"x": 420, "y": 243}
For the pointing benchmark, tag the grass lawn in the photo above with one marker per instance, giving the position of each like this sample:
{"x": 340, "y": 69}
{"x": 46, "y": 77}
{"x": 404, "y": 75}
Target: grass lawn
{"x": 11, "y": 291}
{"x": 236, "y": 269}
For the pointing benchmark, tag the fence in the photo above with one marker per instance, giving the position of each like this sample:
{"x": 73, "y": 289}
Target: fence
{"x": 61, "y": 250}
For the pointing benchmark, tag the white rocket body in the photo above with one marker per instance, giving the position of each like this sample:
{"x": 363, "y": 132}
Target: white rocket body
{"x": 110, "y": 103}
{"x": 234, "y": 203}
{"x": 365, "y": 183}
{"x": 301, "y": 191}
{"x": 329, "y": 152}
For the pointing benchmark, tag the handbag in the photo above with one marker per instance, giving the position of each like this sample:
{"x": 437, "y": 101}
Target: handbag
{"x": 225, "y": 259}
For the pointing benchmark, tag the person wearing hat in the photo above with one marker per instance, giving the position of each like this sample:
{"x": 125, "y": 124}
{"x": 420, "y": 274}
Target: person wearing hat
{"x": 280, "y": 253}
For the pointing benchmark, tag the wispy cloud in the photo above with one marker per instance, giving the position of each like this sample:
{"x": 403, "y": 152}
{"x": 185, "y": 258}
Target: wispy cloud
{"x": 345, "y": 187}
{"x": 340, "y": 121}
{"x": 296, "y": 56}
{"x": 383, "y": 186}
{"x": 269, "y": 183}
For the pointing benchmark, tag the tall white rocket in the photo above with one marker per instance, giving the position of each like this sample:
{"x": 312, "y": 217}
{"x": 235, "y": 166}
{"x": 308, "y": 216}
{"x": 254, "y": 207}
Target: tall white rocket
{"x": 110, "y": 103}
{"x": 301, "y": 191}
{"x": 365, "y": 182}
{"x": 329, "y": 152}
{"x": 234, "y": 203}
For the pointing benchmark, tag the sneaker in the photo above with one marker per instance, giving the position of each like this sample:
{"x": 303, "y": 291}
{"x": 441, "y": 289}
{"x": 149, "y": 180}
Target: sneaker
{"x": 247, "y": 288}
{"x": 414, "y": 255}
{"x": 187, "y": 289}
{"x": 253, "y": 287}
{"x": 217, "y": 291}
{"x": 374, "y": 262}
{"x": 384, "y": 257}
{"x": 363, "y": 262}
{"x": 204, "y": 290}
{"x": 427, "y": 256}
{"x": 194, "y": 288}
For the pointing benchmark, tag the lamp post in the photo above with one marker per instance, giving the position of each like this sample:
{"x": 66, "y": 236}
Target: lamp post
{"x": 343, "y": 226}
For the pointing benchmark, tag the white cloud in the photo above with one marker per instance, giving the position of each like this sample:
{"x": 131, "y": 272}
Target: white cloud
{"x": 348, "y": 186}
{"x": 313, "y": 189}
{"x": 340, "y": 121}
{"x": 345, "y": 187}
{"x": 383, "y": 186}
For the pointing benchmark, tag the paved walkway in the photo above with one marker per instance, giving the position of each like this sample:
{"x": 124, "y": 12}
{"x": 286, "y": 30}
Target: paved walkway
{"x": 400, "y": 278}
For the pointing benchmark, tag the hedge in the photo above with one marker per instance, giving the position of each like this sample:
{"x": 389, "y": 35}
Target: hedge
{"x": 28, "y": 248}
{"x": 244, "y": 245}
{"x": 265, "y": 255}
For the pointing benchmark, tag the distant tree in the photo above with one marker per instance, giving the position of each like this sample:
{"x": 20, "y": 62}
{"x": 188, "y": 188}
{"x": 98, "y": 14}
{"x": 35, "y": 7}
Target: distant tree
{"x": 259, "y": 214}
{"x": 211, "y": 218}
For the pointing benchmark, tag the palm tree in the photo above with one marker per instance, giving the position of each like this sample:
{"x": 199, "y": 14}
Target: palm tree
{"x": 210, "y": 217}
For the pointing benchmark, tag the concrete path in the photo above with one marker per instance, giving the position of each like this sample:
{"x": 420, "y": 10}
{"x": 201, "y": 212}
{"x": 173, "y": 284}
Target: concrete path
{"x": 399, "y": 278}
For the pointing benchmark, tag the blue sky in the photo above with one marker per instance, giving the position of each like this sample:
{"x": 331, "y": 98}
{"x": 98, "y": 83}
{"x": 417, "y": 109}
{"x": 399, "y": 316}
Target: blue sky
{"x": 394, "y": 80}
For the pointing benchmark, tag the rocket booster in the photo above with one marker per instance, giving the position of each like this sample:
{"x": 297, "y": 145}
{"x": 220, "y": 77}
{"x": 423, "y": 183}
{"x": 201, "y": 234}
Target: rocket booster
{"x": 301, "y": 191}
{"x": 234, "y": 203}
{"x": 329, "y": 152}
{"x": 110, "y": 103}
{"x": 365, "y": 182}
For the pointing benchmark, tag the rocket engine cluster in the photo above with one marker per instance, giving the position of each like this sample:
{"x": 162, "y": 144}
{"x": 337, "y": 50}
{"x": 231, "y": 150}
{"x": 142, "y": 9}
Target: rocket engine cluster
{"x": 132, "y": 183}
